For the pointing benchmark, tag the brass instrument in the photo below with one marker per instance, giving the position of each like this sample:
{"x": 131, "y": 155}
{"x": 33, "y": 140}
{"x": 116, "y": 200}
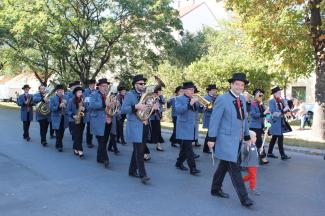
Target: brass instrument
{"x": 115, "y": 107}
{"x": 204, "y": 102}
{"x": 150, "y": 99}
{"x": 64, "y": 102}
{"x": 80, "y": 112}
{"x": 43, "y": 107}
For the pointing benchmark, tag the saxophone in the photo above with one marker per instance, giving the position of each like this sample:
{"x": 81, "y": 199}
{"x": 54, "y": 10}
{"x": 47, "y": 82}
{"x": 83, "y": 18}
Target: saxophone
{"x": 80, "y": 112}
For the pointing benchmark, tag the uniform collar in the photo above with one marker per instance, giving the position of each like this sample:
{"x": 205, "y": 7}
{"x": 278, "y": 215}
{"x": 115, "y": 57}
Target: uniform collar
{"x": 233, "y": 94}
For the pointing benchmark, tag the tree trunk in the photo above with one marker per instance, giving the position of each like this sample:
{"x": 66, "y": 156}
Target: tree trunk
{"x": 318, "y": 128}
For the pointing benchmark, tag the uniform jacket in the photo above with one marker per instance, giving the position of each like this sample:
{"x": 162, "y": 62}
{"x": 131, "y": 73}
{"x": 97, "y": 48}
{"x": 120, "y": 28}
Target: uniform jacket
{"x": 57, "y": 112}
{"x": 26, "y": 112}
{"x": 227, "y": 127}
{"x": 207, "y": 113}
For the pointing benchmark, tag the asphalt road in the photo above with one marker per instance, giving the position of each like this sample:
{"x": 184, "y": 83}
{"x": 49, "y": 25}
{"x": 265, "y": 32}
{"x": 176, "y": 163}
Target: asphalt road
{"x": 40, "y": 181}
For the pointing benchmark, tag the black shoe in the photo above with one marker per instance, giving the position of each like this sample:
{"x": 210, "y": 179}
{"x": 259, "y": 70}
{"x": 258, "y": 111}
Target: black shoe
{"x": 28, "y": 139}
{"x": 135, "y": 175}
{"x": 174, "y": 145}
{"x": 117, "y": 152}
{"x": 285, "y": 157}
{"x": 263, "y": 162}
{"x": 181, "y": 167}
{"x": 75, "y": 152}
{"x": 90, "y": 145}
{"x": 159, "y": 149}
{"x": 195, "y": 171}
{"x": 44, "y": 143}
{"x": 219, "y": 193}
{"x": 247, "y": 202}
{"x": 123, "y": 142}
{"x": 196, "y": 156}
{"x": 59, "y": 149}
{"x": 272, "y": 155}
{"x": 106, "y": 163}
{"x": 145, "y": 179}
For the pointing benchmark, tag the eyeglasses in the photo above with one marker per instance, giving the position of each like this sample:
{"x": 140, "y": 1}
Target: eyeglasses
{"x": 141, "y": 83}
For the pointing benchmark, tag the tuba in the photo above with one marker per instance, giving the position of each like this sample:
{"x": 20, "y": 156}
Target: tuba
{"x": 111, "y": 98}
{"x": 42, "y": 107}
{"x": 203, "y": 102}
{"x": 148, "y": 98}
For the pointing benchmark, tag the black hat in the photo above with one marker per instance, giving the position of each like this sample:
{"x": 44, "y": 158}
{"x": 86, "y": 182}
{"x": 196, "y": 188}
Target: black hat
{"x": 71, "y": 84}
{"x": 275, "y": 89}
{"x": 211, "y": 87}
{"x": 91, "y": 81}
{"x": 257, "y": 91}
{"x": 59, "y": 86}
{"x": 102, "y": 81}
{"x": 188, "y": 84}
{"x": 76, "y": 83}
{"x": 238, "y": 77}
{"x": 120, "y": 88}
{"x": 137, "y": 78}
{"x": 78, "y": 88}
{"x": 25, "y": 86}
{"x": 177, "y": 89}
{"x": 196, "y": 90}
{"x": 157, "y": 89}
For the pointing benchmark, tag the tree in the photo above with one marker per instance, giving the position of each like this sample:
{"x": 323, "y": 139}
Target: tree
{"x": 84, "y": 36}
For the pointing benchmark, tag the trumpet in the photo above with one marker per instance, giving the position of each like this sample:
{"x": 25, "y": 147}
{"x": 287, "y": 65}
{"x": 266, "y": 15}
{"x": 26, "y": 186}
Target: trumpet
{"x": 203, "y": 102}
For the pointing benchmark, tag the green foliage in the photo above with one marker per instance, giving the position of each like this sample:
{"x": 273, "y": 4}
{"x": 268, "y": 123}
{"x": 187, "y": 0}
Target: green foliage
{"x": 85, "y": 38}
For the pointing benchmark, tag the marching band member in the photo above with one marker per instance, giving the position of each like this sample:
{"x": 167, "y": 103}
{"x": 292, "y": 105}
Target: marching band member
{"x": 25, "y": 101}
{"x": 155, "y": 127}
{"x": 43, "y": 120}
{"x": 100, "y": 121}
{"x": 228, "y": 128}
{"x": 76, "y": 118}
{"x": 59, "y": 115}
{"x": 211, "y": 97}
{"x": 171, "y": 104}
{"x": 186, "y": 108}
{"x": 112, "y": 145}
{"x": 256, "y": 123}
{"x": 277, "y": 109}
{"x": 136, "y": 130}
{"x": 88, "y": 91}
{"x": 69, "y": 95}
{"x": 120, "y": 117}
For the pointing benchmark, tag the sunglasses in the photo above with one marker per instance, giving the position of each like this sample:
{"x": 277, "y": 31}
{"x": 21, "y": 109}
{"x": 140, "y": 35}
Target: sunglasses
{"x": 141, "y": 83}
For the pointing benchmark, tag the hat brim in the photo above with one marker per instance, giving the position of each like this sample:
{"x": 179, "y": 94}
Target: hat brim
{"x": 98, "y": 84}
{"x": 233, "y": 80}
{"x": 144, "y": 79}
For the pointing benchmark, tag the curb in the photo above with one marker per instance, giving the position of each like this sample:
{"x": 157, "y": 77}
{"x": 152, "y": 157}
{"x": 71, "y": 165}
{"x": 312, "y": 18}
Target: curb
{"x": 304, "y": 150}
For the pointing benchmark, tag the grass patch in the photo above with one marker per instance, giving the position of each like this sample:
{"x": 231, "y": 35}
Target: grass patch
{"x": 9, "y": 105}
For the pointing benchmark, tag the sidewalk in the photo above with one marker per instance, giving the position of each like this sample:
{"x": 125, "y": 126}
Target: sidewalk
{"x": 304, "y": 150}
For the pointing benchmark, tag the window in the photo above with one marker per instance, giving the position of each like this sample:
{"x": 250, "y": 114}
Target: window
{"x": 299, "y": 92}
